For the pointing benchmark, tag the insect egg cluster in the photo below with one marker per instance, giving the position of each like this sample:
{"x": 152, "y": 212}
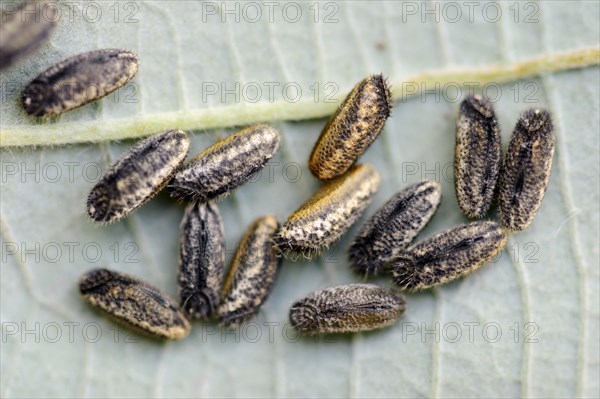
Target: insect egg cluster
{"x": 383, "y": 245}
{"x": 208, "y": 290}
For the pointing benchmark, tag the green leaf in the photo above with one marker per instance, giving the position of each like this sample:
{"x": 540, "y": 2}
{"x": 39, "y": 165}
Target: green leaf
{"x": 541, "y": 295}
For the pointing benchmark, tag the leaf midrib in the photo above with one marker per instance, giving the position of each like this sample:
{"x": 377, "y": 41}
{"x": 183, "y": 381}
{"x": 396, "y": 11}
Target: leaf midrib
{"x": 245, "y": 114}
